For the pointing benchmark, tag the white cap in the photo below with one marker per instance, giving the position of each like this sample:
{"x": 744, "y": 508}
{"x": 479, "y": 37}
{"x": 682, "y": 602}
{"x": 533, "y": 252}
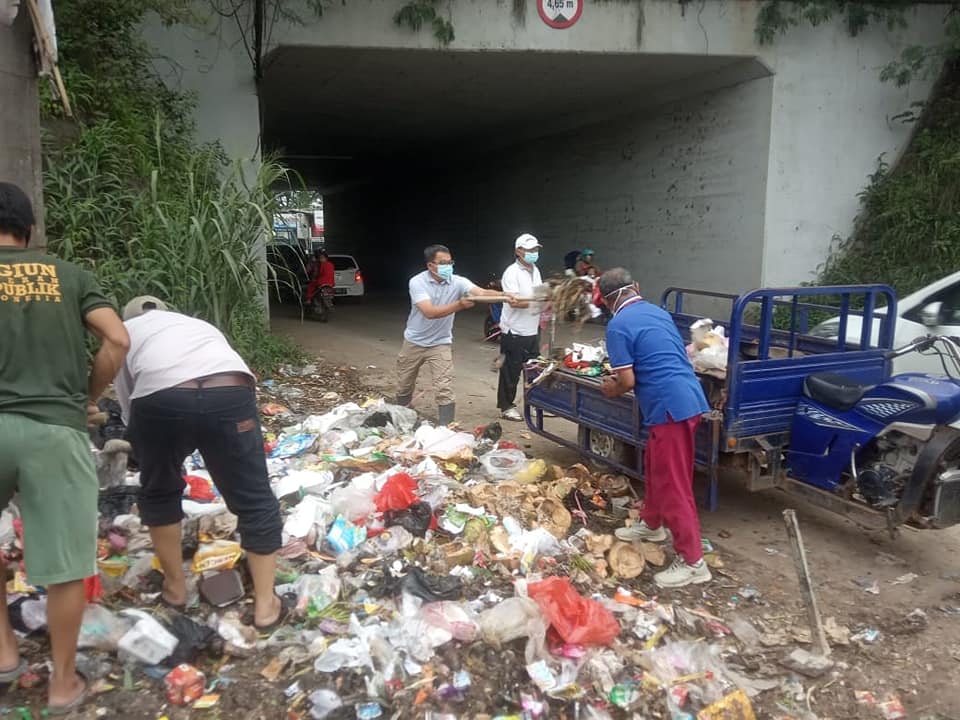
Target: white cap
{"x": 527, "y": 242}
{"x": 139, "y": 305}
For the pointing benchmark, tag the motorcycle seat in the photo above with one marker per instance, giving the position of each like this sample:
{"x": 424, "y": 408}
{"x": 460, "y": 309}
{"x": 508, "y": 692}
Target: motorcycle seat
{"x": 834, "y": 391}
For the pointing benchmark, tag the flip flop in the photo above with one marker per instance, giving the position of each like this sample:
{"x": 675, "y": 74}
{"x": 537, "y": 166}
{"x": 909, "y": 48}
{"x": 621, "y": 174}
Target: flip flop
{"x": 287, "y": 604}
{"x": 11, "y": 676}
{"x": 77, "y": 702}
{"x": 167, "y": 604}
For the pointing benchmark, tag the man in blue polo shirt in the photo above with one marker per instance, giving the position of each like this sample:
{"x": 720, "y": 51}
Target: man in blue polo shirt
{"x": 648, "y": 357}
{"x": 436, "y": 294}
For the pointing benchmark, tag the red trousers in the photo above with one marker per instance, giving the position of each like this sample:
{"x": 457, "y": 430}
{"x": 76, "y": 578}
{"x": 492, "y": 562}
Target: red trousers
{"x": 668, "y": 474}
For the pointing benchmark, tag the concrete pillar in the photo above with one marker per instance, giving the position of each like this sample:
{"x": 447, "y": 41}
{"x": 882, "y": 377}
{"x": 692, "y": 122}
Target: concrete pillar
{"x": 20, "y": 152}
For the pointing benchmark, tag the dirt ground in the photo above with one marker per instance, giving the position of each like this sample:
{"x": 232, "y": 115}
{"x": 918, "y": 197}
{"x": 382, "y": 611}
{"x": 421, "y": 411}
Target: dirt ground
{"x": 919, "y": 661}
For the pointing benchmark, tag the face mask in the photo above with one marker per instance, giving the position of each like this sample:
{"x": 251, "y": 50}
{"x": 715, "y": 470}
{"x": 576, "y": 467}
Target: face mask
{"x": 445, "y": 271}
{"x": 619, "y": 291}
{"x": 531, "y": 257}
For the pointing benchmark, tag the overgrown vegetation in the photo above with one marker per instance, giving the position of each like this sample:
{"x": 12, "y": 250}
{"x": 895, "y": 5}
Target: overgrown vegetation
{"x": 133, "y": 196}
{"x": 908, "y": 231}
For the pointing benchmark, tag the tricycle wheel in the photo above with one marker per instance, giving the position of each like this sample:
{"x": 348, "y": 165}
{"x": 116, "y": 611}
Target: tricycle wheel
{"x": 606, "y": 447}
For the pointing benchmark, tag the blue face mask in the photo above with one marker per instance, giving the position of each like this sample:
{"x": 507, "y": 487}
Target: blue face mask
{"x": 445, "y": 271}
{"x": 531, "y": 257}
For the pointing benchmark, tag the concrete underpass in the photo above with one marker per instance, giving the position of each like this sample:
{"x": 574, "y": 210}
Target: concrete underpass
{"x": 657, "y": 162}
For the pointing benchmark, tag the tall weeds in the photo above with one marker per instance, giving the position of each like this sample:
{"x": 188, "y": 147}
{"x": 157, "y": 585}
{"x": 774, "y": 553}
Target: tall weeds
{"x": 132, "y": 195}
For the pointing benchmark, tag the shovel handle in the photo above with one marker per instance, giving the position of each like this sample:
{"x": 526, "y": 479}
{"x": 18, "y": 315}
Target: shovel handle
{"x": 496, "y": 299}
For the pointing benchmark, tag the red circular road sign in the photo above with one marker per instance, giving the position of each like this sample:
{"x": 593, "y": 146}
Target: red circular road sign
{"x": 560, "y": 14}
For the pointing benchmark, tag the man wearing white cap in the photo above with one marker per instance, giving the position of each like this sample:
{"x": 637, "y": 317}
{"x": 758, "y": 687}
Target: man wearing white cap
{"x": 183, "y": 388}
{"x": 519, "y": 324}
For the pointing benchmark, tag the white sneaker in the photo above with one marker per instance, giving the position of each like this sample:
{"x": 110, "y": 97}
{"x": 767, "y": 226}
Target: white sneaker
{"x": 680, "y": 574}
{"x": 640, "y": 531}
{"x": 512, "y": 414}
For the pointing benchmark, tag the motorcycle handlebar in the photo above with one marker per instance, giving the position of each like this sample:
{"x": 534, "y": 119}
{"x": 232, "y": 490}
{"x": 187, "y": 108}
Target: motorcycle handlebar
{"x": 918, "y": 345}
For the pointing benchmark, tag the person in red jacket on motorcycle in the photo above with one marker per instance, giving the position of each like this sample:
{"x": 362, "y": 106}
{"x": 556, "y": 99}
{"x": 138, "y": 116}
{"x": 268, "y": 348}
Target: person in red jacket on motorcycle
{"x": 322, "y": 274}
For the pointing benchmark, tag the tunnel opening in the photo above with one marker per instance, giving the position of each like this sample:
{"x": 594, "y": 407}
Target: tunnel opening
{"x": 656, "y": 162}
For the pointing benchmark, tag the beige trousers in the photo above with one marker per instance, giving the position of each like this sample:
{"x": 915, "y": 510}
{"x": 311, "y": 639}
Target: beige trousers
{"x": 440, "y": 361}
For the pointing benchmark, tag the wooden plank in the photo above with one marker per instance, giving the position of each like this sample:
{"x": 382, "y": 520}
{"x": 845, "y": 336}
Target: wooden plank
{"x": 817, "y": 632}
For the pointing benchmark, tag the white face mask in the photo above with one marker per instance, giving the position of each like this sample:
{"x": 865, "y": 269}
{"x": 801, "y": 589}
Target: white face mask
{"x": 618, "y": 291}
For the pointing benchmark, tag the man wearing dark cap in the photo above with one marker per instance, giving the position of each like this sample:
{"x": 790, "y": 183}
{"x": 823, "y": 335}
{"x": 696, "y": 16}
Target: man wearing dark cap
{"x": 47, "y": 306}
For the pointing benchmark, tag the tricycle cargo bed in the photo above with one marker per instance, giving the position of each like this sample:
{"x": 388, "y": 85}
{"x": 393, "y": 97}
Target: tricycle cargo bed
{"x": 753, "y": 401}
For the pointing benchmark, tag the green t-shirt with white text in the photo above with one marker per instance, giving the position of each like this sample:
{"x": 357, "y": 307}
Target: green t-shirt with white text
{"x": 43, "y": 358}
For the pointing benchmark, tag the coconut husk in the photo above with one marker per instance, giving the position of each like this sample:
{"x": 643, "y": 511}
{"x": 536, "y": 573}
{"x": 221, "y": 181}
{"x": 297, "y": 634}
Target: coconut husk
{"x": 615, "y": 485}
{"x": 625, "y": 560}
{"x": 653, "y": 554}
{"x": 474, "y": 531}
{"x": 580, "y": 472}
{"x": 553, "y": 517}
{"x": 598, "y": 544}
{"x": 500, "y": 539}
{"x": 561, "y": 488}
{"x": 458, "y": 553}
{"x": 571, "y": 298}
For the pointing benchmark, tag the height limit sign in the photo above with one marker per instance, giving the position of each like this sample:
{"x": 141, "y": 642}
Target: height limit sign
{"x": 560, "y": 14}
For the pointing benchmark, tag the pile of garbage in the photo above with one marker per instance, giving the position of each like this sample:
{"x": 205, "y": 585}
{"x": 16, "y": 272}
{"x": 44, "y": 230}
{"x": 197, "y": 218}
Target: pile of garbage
{"x": 428, "y": 569}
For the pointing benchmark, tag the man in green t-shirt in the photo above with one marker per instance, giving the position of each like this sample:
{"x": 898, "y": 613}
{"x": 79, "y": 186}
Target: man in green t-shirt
{"x": 47, "y": 306}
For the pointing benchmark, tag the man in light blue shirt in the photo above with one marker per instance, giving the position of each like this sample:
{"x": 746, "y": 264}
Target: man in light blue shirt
{"x": 436, "y": 294}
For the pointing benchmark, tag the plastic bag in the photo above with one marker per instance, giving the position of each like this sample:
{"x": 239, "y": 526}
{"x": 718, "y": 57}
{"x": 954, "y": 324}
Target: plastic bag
{"x": 355, "y": 503}
{"x": 452, "y": 617}
{"x": 514, "y": 618}
{"x": 444, "y": 443}
{"x": 531, "y": 472}
{"x": 398, "y": 493}
{"x": 199, "y": 488}
{"x": 344, "y": 653}
{"x": 503, "y": 464}
{"x": 676, "y": 659}
{"x": 344, "y": 536}
{"x": 102, "y": 629}
{"x": 309, "y": 513}
{"x": 323, "y": 703}
{"x": 315, "y": 592}
{"x": 293, "y": 445}
{"x": 192, "y": 636}
{"x": 415, "y": 519}
{"x": 576, "y": 619}
{"x": 218, "y": 555}
{"x": 432, "y": 587}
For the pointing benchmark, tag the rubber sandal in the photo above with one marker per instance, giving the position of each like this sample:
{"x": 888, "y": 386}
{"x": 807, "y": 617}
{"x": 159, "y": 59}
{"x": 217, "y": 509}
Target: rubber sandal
{"x": 76, "y": 703}
{"x": 11, "y": 676}
{"x": 172, "y": 606}
{"x": 287, "y": 604}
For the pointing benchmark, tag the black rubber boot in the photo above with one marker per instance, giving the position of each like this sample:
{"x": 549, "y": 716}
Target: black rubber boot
{"x": 446, "y": 413}
{"x": 403, "y": 400}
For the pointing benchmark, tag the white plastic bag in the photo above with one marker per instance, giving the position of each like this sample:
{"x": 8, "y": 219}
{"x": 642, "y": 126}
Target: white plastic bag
{"x": 503, "y": 464}
{"x": 514, "y": 618}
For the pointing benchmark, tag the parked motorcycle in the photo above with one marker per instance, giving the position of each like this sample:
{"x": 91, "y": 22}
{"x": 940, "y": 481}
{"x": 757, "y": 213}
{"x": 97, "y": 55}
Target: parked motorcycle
{"x": 894, "y": 446}
{"x": 491, "y": 320}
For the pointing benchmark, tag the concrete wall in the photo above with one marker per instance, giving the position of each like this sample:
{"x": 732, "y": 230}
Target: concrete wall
{"x": 829, "y": 114}
{"x": 675, "y": 194}
{"x": 20, "y": 159}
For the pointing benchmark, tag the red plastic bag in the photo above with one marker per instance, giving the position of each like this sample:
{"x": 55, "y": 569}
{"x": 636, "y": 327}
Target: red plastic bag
{"x": 576, "y": 619}
{"x": 199, "y": 488}
{"x": 397, "y": 493}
